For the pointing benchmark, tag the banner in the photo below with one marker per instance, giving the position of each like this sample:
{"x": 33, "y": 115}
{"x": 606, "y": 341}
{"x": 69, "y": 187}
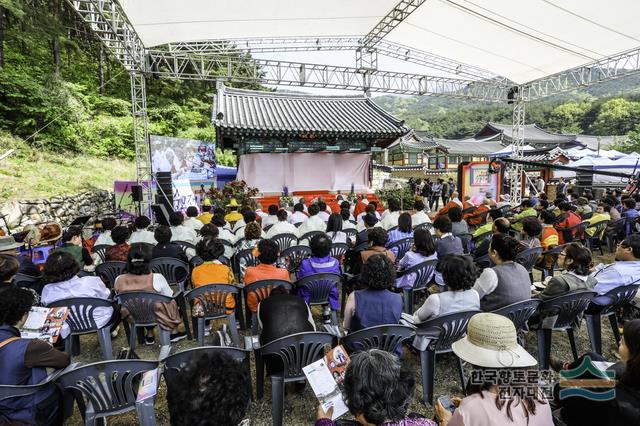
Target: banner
{"x": 305, "y": 171}
{"x": 475, "y": 181}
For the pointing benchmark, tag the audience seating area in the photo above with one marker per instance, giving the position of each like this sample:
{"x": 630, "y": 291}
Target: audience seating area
{"x": 562, "y": 313}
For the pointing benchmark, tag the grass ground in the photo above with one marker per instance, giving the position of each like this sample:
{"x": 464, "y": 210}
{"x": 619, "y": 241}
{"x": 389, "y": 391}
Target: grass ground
{"x": 33, "y": 173}
{"x": 300, "y": 408}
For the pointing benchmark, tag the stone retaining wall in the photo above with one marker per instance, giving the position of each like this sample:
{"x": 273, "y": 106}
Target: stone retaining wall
{"x": 62, "y": 209}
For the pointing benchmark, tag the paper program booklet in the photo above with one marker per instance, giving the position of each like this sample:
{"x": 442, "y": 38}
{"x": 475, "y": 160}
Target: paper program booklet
{"x": 44, "y": 323}
{"x": 326, "y": 377}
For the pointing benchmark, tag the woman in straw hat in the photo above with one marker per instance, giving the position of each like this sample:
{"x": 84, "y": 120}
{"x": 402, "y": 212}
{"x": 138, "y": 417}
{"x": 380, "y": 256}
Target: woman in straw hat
{"x": 491, "y": 346}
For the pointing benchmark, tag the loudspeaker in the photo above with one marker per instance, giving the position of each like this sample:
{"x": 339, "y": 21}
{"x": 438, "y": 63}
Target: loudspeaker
{"x": 164, "y": 194}
{"x": 136, "y": 193}
{"x": 161, "y": 214}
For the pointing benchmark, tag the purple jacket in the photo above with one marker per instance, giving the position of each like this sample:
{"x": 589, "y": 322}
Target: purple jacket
{"x": 320, "y": 265}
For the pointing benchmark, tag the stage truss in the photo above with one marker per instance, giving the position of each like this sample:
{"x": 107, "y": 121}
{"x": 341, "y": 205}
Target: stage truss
{"x": 218, "y": 59}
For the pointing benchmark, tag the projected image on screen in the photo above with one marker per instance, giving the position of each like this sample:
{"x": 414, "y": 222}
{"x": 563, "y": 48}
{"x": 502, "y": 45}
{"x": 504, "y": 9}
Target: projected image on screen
{"x": 184, "y": 158}
{"x": 192, "y": 164}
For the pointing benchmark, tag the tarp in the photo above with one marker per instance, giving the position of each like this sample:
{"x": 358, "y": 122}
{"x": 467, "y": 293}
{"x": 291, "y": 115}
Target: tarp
{"x": 305, "y": 171}
{"x": 508, "y": 150}
{"x": 520, "y": 39}
{"x": 629, "y": 164}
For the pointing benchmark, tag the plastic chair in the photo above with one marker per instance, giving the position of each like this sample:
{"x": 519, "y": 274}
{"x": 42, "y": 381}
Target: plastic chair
{"x": 351, "y": 233}
{"x": 109, "y": 271}
{"x": 266, "y": 228}
{"x": 618, "y": 297}
{"x": 292, "y": 257}
{"x": 599, "y": 230}
{"x": 568, "y": 233}
{"x": 212, "y": 299}
{"x": 555, "y": 252}
{"x": 174, "y": 364}
{"x": 561, "y": 313}
{"x": 184, "y": 245}
{"x": 308, "y": 236}
{"x": 141, "y": 308}
{"x": 284, "y": 240}
{"x": 261, "y": 289}
{"x": 239, "y": 242}
{"x": 81, "y": 321}
{"x": 176, "y": 272}
{"x": 528, "y": 258}
{"x": 442, "y": 332}
{"x": 101, "y": 251}
{"x": 480, "y": 239}
{"x": 338, "y": 250}
{"x": 109, "y": 387}
{"x": 426, "y": 225}
{"x": 320, "y": 286}
{"x": 385, "y": 337}
{"x": 519, "y": 313}
{"x": 402, "y": 246}
{"x": 466, "y": 239}
{"x": 244, "y": 257}
{"x": 296, "y": 351}
{"x": 423, "y": 273}
{"x": 29, "y": 281}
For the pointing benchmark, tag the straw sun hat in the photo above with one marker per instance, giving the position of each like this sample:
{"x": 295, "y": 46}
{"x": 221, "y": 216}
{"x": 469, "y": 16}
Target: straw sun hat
{"x": 491, "y": 342}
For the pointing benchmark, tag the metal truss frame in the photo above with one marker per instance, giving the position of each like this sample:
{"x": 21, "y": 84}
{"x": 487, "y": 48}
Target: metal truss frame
{"x": 212, "y": 60}
{"x": 216, "y": 67}
{"x": 341, "y": 43}
{"x": 141, "y": 140}
{"x": 111, "y": 25}
{"x": 399, "y": 13}
{"x": 517, "y": 137}
{"x": 610, "y": 68}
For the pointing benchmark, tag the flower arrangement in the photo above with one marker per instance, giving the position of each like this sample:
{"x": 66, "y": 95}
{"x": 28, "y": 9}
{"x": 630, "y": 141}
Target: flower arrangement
{"x": 286, "y": 200}
{"x": 237, "y": 189}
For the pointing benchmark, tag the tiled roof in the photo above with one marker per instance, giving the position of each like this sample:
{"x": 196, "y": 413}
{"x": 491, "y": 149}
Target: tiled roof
{"x": 606, "y": 142}
{"x": 533, "y": 134}
{"x": 250, "y": 112}
{"x": 413, "y": 140}
{"x": 469, "y": 147}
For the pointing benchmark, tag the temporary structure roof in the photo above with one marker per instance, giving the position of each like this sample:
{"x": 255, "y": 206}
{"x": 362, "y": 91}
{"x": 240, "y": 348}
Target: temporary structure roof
{"x": 518, "y": 39}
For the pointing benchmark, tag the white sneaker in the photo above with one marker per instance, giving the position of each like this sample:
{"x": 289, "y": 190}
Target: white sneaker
{"x": 114, "y": 333}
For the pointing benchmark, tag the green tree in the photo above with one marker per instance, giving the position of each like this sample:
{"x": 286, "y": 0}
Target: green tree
{"x": 616, "y": 117}
{"x": 569, "y": 117}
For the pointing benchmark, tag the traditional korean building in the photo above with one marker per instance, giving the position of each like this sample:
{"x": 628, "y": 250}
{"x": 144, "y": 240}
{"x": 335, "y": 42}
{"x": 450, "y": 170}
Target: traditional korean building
{"x": 258, "y": 122}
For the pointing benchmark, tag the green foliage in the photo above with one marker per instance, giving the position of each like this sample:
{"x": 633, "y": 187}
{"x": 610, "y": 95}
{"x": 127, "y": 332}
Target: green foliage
{"x": 403, "y": 196}
{"x": 226, "y": 157}
{"x": 60, "y": 90}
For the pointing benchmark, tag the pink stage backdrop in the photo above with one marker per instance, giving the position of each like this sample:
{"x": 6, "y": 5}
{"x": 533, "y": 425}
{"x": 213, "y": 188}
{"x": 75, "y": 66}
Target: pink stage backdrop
{"x": 305, "y": 171}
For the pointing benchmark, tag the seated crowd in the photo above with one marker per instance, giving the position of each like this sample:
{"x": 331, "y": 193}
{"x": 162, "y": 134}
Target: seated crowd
{"x": 475, "y": 255}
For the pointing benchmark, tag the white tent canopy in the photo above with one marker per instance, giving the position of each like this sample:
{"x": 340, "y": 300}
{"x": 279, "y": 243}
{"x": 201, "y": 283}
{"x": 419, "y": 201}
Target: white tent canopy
{"x": 629, "y": 164}
{"x": 522, "y": 40}
{"x": 508, "y": 150}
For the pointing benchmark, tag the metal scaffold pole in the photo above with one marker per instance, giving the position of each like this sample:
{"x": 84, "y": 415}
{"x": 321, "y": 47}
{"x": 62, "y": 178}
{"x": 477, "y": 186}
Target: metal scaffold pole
{"x": 517, "y": 145}
{"x": 141, "y": 139}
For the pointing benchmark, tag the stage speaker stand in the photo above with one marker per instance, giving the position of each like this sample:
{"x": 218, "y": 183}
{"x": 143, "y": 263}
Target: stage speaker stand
{"x": 161, "y": 214}
{"x": 164, "y": 192}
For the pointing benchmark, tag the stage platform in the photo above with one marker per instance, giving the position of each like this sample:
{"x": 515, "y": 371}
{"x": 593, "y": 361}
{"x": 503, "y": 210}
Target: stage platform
{"x": 329, "y": 198}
